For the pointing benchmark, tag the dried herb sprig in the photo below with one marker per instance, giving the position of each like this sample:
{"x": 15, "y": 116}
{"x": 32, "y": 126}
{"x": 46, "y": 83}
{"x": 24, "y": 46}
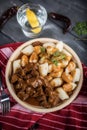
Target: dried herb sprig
{"x": 81, "y": 28}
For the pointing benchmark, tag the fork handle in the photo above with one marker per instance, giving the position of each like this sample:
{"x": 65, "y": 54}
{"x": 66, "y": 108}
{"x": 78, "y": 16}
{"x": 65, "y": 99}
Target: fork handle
{"x": 1, "y": 88}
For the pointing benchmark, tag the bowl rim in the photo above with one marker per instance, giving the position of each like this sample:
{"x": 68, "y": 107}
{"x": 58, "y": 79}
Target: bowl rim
{"x": 28, "y": 106}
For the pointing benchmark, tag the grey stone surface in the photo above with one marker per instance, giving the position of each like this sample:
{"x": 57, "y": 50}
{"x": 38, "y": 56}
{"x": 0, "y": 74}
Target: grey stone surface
{"x": 5, "y": 39}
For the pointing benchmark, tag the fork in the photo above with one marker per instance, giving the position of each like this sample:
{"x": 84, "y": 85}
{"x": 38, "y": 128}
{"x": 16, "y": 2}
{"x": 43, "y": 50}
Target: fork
{"x": 4, "y": 100}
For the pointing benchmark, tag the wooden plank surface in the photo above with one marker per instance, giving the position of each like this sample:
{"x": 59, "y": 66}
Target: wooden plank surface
{"x": 76, "y": 10}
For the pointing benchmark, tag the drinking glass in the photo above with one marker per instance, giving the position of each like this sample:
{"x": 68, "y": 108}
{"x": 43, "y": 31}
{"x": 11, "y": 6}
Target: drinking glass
{"x": 40, "y": 13}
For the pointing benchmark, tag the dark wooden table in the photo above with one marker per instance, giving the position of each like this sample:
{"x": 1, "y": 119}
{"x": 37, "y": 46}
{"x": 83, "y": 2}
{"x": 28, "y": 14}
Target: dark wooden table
{"x": 76, "y": 10}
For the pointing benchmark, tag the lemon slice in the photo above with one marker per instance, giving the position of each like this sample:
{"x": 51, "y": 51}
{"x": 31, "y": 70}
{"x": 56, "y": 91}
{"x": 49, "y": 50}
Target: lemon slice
{"x": 33, "y": 21}
{"x": 32, "y": 18}
{"x": 36, "y": 30}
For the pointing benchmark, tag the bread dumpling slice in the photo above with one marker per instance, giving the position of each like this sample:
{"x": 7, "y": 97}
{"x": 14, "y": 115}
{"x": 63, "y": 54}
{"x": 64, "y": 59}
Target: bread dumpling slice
{"x": 59, "y": 46}
{"x": 74, "y": 85}
{"x": 16, "y": 65}
{"x": 43, "y": 69}
{"x": 49, "y": 44}
{"x": 76, "y": 75}
{"x": 56, "y": 82}
{"x": 28, "y": 50}
{"x": 62, "y": 94}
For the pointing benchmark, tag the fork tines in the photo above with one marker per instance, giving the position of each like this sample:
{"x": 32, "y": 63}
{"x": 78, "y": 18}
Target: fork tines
{"x": 5, "y": 103}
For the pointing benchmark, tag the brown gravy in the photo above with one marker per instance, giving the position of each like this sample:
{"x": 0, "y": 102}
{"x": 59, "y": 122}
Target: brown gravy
{"x": 32, "y": 101}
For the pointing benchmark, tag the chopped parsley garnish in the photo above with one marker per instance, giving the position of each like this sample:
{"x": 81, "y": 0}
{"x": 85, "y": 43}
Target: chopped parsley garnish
{"x": 81, "y": 28}
{"x": 62, "y": 56}
{"x": 55, "y": 61}
{"x": 57, "y": 53}
{"x": 43, "y": 49}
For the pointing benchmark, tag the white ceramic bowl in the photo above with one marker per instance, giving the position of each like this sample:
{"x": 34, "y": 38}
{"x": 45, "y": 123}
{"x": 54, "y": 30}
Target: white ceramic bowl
{"x": 35, "y": 108}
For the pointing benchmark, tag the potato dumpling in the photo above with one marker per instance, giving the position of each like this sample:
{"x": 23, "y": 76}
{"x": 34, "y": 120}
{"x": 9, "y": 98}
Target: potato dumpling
{"x": 68, "y": 55}
{"x": 37, "y": 49}
{"x": 56, "y": 68}
{"x": 49, "y": 78}
{"x": 56, "y": 74}
{"x": 24, "y": 60}
{"x": 33, "y": 58}
{"x": 64, "y": 63}
{"x": 67, "y": 77}
{"x": 50, "y": 68}
{"x": 68, "y": 87}
{"x": 51, "y": 50}
{"x": 71, "y": 66}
